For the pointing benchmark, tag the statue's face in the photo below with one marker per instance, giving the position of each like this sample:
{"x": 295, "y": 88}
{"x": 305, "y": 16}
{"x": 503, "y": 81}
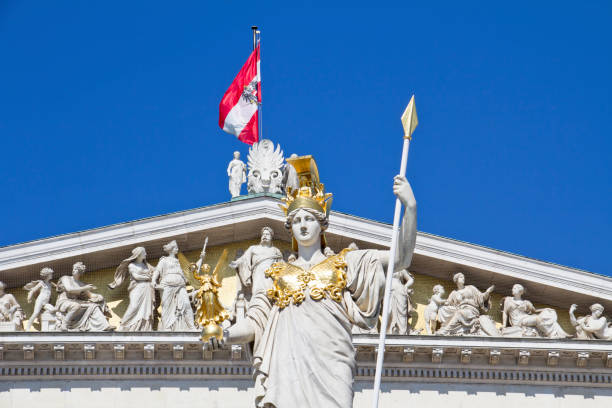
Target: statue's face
{"x": 142, "y": 256}
{"x": 306, "y": 228}
{"x": 266, "y": 236}
{"x": 517, "y": 290}
{"x": 597, "y": 313}
{"x": 441, "y": 291}
{"x": 236, "y": 155}
{"x": 460, "y": 280}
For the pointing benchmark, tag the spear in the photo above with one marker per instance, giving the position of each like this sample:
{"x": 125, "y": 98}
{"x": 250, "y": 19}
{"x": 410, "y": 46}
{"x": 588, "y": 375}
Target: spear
{"x": 409, "y": 122}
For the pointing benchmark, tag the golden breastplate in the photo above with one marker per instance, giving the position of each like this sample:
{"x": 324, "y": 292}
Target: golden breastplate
{"x": 327, "y": 278}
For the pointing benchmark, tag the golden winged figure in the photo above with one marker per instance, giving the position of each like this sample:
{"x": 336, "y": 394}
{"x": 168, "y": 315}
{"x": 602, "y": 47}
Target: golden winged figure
{"x": 210, "y": 312}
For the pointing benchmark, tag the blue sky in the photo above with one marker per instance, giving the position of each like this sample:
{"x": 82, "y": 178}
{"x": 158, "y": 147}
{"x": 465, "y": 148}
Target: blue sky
{"x": 108, "y": 113}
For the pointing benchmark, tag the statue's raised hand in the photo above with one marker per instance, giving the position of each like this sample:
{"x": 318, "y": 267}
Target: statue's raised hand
{"x": 403, "y": 191}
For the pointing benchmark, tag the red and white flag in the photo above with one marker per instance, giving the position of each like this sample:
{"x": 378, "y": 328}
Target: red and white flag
{"x": 238, "y": 108}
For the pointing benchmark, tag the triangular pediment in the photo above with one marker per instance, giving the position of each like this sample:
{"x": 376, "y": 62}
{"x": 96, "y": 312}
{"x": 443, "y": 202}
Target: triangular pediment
{"x": 436, "y": 258}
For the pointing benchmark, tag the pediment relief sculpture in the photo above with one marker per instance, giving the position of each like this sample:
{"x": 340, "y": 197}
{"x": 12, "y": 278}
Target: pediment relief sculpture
{"x": 522, "y": 319}
{"x": 141, "y": 308}
{"x": 81, "y": 308}
{"x": 11, "y": 313}
{"x": 169, "y": 278}
{"x": 593, "y": 326}
{"x": 463, "y": 311}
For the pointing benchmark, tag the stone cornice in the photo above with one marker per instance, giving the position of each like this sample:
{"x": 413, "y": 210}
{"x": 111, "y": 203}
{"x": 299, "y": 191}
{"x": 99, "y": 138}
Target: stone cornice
{"x": 86, "y": 356}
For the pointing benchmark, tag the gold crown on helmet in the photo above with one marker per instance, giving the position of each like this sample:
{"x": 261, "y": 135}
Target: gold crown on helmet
{"x": 311, "y": 193}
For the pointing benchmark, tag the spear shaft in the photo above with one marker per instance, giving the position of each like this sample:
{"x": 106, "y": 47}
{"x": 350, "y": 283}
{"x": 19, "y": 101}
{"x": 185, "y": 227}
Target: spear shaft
{"x": 409, "y": 120}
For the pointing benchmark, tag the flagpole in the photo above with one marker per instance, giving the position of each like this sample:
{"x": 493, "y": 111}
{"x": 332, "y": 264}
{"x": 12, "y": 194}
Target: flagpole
{"x": 257, "y": 40}
{"x": 408, "y": 128}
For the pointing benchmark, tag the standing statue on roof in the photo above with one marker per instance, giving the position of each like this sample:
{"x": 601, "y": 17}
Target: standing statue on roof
{"x": 236, "y": 171}
{"x": 301, "y": 326}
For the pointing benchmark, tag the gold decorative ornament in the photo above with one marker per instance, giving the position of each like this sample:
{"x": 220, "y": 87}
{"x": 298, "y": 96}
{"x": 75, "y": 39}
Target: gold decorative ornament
{"x": 210, "y": 312}
{"x": 311, "y": 193}
{"x": 326, "y": 279}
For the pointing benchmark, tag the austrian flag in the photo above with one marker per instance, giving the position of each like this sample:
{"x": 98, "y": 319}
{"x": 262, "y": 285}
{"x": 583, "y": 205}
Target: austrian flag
{"x": 238, "y": 108}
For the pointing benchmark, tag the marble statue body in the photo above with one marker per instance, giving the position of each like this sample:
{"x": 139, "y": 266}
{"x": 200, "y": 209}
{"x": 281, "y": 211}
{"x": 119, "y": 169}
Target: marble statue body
{"x": 82, "y": 309}
{"x": 431, "y": 311}
{"x": 140, "y": 311}
{"x": 593, "y": 326}
{"x": 527, "y": 321}
{"x": 11, "y": 313}
{"x": 461, "y": 313}
{"x": 265, "y": 168}
{"x": 42, "y": 288}
{"x": 176, "y": 314}
{"x": 303, "y": 353}
{"x": 236, "y": 171}
{"x": 251, "y": 266}
{"x": 400, "y": 306}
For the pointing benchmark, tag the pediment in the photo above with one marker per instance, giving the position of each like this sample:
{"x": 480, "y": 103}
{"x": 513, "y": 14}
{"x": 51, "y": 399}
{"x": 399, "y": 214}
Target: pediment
{"x": 436, "y": 258}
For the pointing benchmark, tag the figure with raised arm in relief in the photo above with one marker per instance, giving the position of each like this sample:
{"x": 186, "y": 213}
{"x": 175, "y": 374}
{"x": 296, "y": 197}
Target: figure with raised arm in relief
{"x": 139, "y": 313}
{"x": 42, "y": 288}
{"x": 593, "y": 326}
{"x": 462, "y": 312}
{"x": 251, "y": 267}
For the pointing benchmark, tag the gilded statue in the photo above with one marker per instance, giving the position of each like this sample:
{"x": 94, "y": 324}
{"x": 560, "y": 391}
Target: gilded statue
{"x": 303, "y": 354}
{"x": 141, "y": 307}
{"x": 210, "y": 312}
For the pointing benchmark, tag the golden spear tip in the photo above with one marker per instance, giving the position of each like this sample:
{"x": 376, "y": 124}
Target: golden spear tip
{"x": 409, "y": 119}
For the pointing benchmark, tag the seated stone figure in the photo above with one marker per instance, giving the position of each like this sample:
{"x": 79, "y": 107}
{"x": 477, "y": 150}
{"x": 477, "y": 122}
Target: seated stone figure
{"x": 82, "y": 310}
{"x": 461, "y": 314}
{"x": 11, "y": 313}
{"x": 527, "y": 321}
{"x": 593, "y": 326}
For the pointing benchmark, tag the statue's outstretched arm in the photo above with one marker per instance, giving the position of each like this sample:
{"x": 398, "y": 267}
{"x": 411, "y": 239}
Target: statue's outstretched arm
{"x": 240, "y": 333}
{"x": 408, "y": 232}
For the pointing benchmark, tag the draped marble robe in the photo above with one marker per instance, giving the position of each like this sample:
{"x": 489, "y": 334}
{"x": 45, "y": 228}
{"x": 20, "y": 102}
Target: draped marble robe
{"x": 139, "y": 313}
{"x": 304, "y": 354}
{"x": 176, "y": 314}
